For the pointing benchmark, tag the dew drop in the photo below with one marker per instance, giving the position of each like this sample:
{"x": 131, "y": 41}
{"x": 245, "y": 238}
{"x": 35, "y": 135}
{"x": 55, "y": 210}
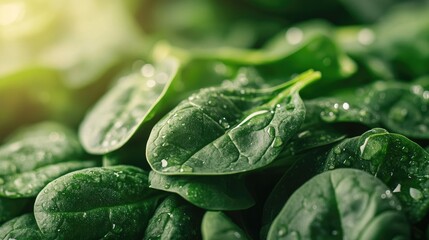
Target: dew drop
{"x": 277, "y": 142}
{"x": 366, "y": 36}
{"x": 416, "y": 194}
{"x": 346, "y": 106}
{"x": 150, "y": 83}
{"x": 186, "y": 169}
{"x": 294, "y": 35}
{"x": 282, "y": 231}
{"x": 304, "y": 134}
{"x": 164, "y": 163}
{"x": 328, "y": 116}
{"x": 147, "y": 70}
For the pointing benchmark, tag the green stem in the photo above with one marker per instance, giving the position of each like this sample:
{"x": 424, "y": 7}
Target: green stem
{"x": 294, "y": 85}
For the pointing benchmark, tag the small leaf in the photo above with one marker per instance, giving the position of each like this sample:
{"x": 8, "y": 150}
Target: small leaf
{"x": 35, "y": 156}
{"x": 109, "y": 202}
{"x": 403, "y": 108}
{"x": 174, "y": 219}
{"x": 341, "y": 204}
{"x": 134, "y": 100}
{"x": 208, "y": 192}
{"x": 22, "y": 227}
{"x": 226, "y": 131}
{"x": 217, "y": 226}
{"x": 10, "y": 208}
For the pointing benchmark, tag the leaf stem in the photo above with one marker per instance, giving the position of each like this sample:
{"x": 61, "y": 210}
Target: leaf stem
{"x": 294, "y": 85}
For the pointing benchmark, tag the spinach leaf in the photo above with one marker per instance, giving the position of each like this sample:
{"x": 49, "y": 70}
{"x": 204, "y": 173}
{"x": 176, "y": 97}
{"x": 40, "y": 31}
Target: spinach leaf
{"x": 35, "y": 156}
{"x": 226, "y": 131}
{"x": 22, "y": 227}
{"x": 332, "y": 110}
{"x": 10, "y": 208}
{"x": 312, "y": 137}
{"x": 30, "y": 183}
{"x": 399, "y": 162}
{"x": 36, "y": 146}
{"x": 403, "y": 108}
{"x": 341, "y": 204}
{"x": 302, "y": 167}
{"x": 208, "y": 192}
{"x": 135, "y": 99}
{"x": 218, "y": 226}
{"x": 174, "y": 219}
{"x": 108, "y": 202}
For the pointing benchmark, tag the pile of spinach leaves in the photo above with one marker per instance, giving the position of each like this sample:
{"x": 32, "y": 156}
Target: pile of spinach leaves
{"x": 218, "y": 120}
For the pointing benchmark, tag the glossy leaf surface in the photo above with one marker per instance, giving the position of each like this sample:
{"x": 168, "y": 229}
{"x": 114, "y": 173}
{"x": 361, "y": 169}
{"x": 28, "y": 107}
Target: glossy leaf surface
{"x": 341, "y": 204}
{"x": 397, "y": 161}
{"x": 22, "y": 227}
{"x": 118, "y": 204}
{"x": 208, "y": 192}
{"x": 132, "y": 101}
{"x": 218, "y": 226}
{"x": 225, "y": 131}
{"x": 174, "y": 219}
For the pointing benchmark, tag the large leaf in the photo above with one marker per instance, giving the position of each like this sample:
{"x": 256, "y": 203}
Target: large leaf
{"x": 208, "y": 192}
{"x": 135, "y": 99}
{"x": 397, "y": 161}
{"x": 109, "y": 202}
{"x": 341, "y": 204}
{"x": 226, "y": 131}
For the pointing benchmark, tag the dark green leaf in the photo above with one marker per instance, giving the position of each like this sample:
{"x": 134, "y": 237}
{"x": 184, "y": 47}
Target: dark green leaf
{"x": 37, "y": 146}
{"x": 10, "y": 208}
{"x": 30, "y": 183}
{"x": 403, "y": 108}
{"x": 225, "y": 131}
{"x": 110, "y": 202}
{"x": 35, "y": 156}
{"x": 302, "y": 168}
{"x": 134, "y": 100}
{"x": 174, "y": 219}
{"x": 341, "y": 204}
{"x": 208, "y": 192}
{"x": 331, "y": 110}
{"x": 218, "y": 226}
{"x": 22, "y": 227}
{"x": 399, "y": 162}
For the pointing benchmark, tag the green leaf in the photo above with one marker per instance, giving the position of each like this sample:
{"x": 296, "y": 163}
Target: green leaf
{"x": 217, "y": 226}
{"x": 302, "y": 167}
{"x": 397, "y": 161}
{"x": 10, "y": 208}
{"x": 341, "y": 204}
{"x": 22, "y": 227}
{"x": 226, "y": 131}
{"x": 312, "y": 137}
{"x": 135, "y": 99}
{"x": 36, "y": 155}
{"x": 403, "y": 108}
{"x": 30, "y": 183}
{"x": 174, "y": 219}
{"x": 332, "y": 110}
{"x": 109, "y": 202}
{"x": 208, "y": 192}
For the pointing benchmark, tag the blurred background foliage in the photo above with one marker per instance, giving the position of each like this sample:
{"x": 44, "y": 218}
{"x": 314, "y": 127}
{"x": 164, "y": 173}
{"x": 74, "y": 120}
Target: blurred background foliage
{"x": 58, "y": 57}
